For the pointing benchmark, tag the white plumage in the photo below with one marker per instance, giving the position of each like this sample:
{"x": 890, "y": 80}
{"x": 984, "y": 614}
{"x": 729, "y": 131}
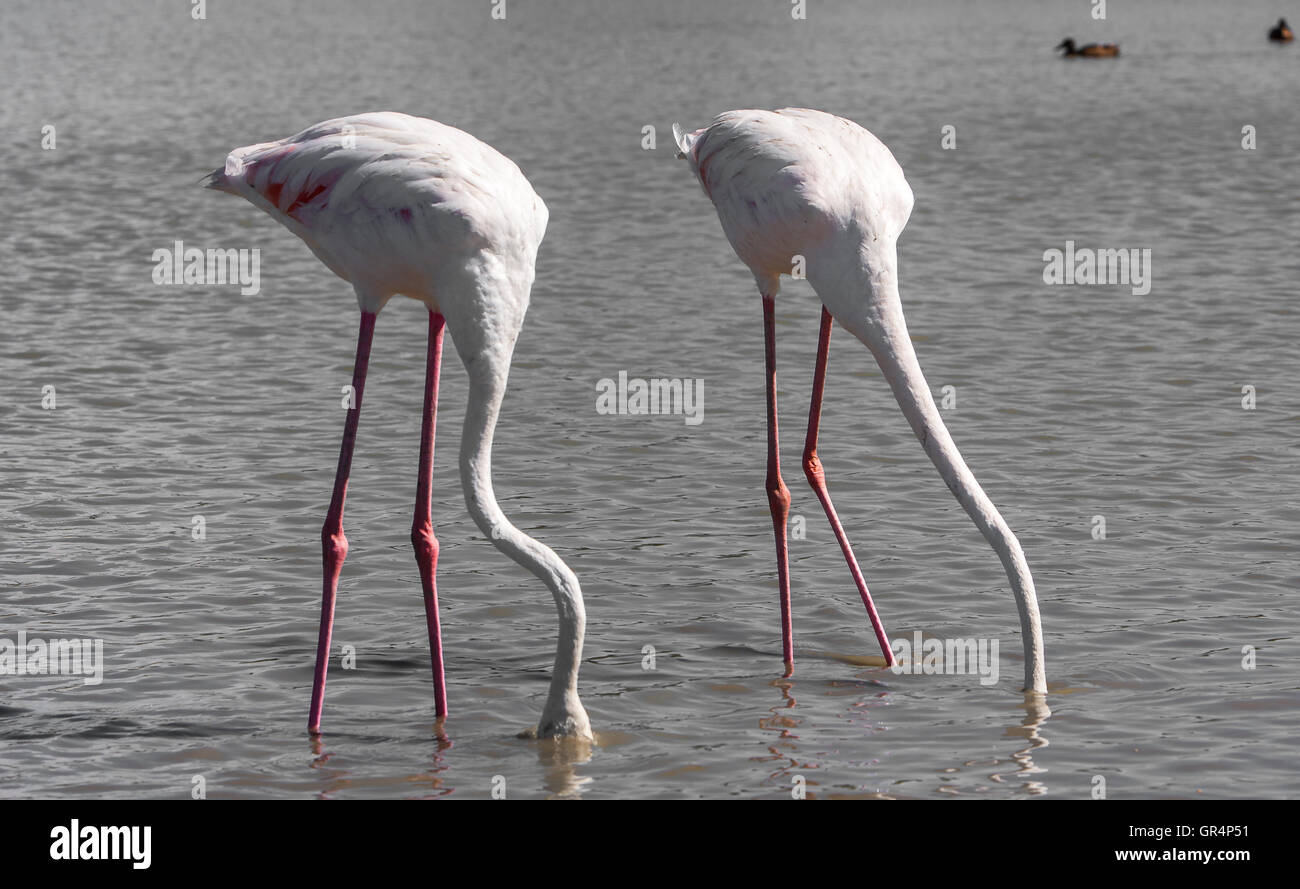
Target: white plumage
{"x": 399, "y": 204}
{"x": 804, "y": 183}
{"x": 797, "y": 181}
{"x": 396, "y": 204}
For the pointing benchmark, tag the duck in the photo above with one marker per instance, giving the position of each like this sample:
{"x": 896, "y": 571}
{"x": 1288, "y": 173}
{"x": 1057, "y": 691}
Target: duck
{"x": 1088, "y": 50}
{"x": 1282, "y": 32}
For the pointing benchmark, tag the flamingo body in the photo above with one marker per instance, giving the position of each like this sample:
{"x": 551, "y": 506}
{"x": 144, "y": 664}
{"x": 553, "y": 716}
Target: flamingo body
{"x": 797, "y": 182}
{"x": 800, "y": 182}
{"x": 396, "y": 204}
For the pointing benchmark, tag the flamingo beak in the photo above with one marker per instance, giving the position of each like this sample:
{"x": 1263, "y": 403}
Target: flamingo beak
{"x": 216, "y": 180}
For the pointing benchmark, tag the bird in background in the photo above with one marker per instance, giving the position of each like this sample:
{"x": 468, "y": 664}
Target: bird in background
{"x": 395, "y": 204}
{"x": 1281, "y": 32}
{"x": 1088, "y": 50}
{"x": 801, "y": 183}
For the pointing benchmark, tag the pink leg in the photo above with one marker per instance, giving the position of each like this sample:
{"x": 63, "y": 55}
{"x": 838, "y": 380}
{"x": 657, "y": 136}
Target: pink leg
{"x": 812, "y": 467}
{"x": 426, "y": 545}
{"x": 334, "y": 543}
{"x": 778, "y": 495}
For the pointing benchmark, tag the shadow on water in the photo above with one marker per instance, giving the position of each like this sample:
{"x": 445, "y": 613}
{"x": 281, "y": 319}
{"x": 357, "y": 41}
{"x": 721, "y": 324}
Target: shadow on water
{"x": 783, "y": 723}
{"x": 428, "y": 783}
{"x": 1036, "y": 714}
{"x": 559, "y": 758}
{"x": 784, "y": 747}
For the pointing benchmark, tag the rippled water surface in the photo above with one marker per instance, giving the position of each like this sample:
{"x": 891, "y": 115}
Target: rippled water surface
{"x": 1072, "y": 402}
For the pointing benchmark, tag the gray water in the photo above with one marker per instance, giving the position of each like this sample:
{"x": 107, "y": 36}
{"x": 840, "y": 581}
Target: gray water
{"x": 1072, "y": 402}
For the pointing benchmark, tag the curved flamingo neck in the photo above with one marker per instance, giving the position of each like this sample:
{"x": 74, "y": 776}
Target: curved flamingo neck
{"x": 563, "y": 714}
{"x": 878, "y": 322}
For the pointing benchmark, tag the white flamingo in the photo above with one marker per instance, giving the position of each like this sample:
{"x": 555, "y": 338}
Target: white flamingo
{"x": 396, "y": 204}
{"x": 805, "y": 183}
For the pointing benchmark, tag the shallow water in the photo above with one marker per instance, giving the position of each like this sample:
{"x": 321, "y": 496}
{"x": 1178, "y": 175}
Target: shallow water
{"x": 1073, "y": 402}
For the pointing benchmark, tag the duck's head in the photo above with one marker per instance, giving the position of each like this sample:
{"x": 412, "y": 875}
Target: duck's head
{"x": 1067, "y": 44}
